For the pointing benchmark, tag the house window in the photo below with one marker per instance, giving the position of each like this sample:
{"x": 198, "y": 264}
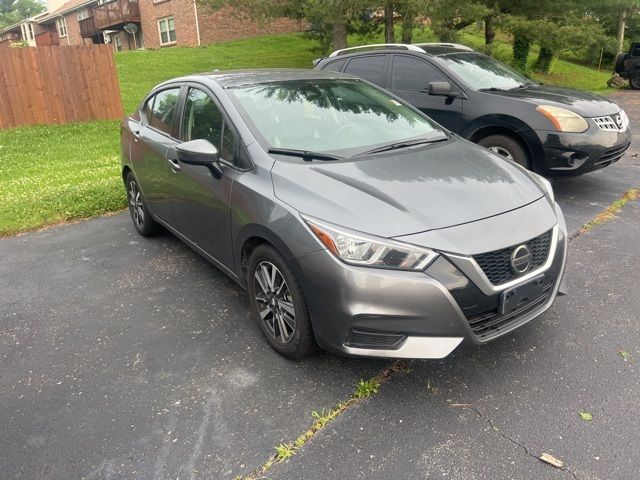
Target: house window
{"x": 117, "y": 44}
{"x": 61, "y": 24}
{"x": 27, "y": 32}
{"x": 167, "y": 31}
{"x": 83, "y": 14}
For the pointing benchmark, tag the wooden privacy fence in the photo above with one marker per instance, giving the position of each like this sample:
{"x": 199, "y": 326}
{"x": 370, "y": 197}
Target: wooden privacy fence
{"x": 58, "y": 84}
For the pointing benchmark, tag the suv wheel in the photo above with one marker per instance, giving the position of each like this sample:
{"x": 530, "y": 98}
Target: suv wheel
{"x": 506, "y": 147}
{"x": 634, "y": 81}
{"x": 277, "y": 303}
{"x": 145, "y": 225}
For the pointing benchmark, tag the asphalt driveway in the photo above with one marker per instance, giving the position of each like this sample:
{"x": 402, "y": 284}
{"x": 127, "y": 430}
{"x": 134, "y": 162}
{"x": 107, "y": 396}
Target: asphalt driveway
{"x": 123, "y": 357}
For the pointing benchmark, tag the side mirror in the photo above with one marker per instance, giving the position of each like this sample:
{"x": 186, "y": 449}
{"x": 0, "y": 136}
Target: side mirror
{"x": 442, "y": 89}
{"x": 200, "y": 152}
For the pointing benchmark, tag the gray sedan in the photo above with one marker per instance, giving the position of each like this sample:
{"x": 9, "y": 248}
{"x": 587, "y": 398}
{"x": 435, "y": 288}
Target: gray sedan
{"x": 353, "y": 220}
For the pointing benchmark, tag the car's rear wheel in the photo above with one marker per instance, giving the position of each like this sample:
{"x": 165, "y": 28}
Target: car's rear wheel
{"x": 619, "y": 65}
{"x": 506, "y": 147}
{"x": 145, "y": 225}
{"x": 278, "y": 304}
{"x": 634, "y": 81}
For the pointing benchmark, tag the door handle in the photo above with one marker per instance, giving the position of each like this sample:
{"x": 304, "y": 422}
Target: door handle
{"x": 136, "y": 135}
{"x": 175, "y": 166}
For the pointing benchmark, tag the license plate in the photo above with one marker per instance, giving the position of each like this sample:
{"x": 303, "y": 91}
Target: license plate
{"x": 521, "y": 294}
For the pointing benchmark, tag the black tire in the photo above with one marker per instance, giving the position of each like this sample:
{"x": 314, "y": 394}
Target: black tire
{"x": 291, "y": 342}
{"x": 145, "y": 225}
{"x": 619, "y": 65}
{"x": 506, "y": 147}
{"x": 634, "y": 80}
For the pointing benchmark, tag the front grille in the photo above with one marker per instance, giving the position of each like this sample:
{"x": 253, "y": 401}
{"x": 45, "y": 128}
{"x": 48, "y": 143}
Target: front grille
{"x": 615, "y": 123}
{"x": 613, "y": 155}
{"x": 370, "y": 339}
{"x": 497, "y": 265}
{"x": 490, "y": 323}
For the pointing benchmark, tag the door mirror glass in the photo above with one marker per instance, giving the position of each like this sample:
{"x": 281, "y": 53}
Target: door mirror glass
{"x": 442, "y": 89}
{"x": 198, "y": 152}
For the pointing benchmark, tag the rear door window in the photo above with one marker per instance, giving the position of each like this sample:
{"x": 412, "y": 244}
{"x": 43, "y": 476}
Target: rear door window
{"x": 334, "y": 66}
{"x": 370, "y": 68}
{"x": 160, "y": 110}
{"x": 414, "y": 75}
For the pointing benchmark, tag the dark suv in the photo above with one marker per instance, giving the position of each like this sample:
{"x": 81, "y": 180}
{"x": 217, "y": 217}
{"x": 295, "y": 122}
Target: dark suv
{"x": 550, "y": 130}
{"x": 628, "y": 65}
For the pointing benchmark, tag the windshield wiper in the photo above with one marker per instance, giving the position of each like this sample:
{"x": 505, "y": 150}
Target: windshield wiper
{"x": 306, "y": 155}
{"x": 396, "y": 146}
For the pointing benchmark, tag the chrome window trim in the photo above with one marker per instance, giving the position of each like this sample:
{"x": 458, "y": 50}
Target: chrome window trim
{"x": 468, "y": 266}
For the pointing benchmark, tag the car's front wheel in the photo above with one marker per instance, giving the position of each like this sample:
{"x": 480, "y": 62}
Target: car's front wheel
{"x": 145, "y": 225}
{"x": 278, "y": 304}
{"x": 506, "y": 147}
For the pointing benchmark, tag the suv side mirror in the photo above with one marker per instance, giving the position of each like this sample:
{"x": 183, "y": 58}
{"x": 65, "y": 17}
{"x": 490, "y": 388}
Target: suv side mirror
{"x": 200, "y": 152}
{"x": 442, "y": 89}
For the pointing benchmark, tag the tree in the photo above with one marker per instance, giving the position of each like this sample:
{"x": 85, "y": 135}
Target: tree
{"x": 12, "y": 11}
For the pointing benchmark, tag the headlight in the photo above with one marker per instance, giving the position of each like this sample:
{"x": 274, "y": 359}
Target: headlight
{"x": 625, "y": 120}
{"x": 363, "y": 250}
{"x": 564, "y": 120}
{"x": 545, "y": 185}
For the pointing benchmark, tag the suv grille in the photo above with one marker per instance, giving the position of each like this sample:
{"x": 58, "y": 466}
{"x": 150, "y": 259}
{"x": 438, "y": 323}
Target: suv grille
{"x": 615, "y": 123}
{"x": 497, "y": 265}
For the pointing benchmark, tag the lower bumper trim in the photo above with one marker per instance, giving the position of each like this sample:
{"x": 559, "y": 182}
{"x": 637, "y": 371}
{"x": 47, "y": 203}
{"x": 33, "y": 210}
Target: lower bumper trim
{"x": 412, "y": 347}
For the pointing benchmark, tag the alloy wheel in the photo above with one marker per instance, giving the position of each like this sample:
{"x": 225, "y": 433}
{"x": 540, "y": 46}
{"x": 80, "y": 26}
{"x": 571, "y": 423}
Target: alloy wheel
{"x": 503, "y": 152}
{"x": 135, "y": 202}
{"x": 275, "y": 305}
{"x": 635, "y": 82}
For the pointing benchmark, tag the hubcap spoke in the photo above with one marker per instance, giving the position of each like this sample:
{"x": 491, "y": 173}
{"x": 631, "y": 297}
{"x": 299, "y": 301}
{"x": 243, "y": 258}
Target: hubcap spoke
{"x": 265, "y": 312}
{"x": 287, "y": 306}
{"x": 261, "y": 281}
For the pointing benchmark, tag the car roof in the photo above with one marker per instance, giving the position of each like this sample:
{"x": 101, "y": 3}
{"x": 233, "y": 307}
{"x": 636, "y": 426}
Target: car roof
{"x": 235, "y": 78}
{"x": 429, "y": 49}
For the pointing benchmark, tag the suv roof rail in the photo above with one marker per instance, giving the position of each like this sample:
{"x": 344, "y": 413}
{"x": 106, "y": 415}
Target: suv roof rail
{"x": 459, "y": 46}
{"x": 404, "y": 46}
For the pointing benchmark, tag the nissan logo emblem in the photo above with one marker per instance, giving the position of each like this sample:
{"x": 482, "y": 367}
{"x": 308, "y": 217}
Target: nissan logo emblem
{"x": 521, "y": 259}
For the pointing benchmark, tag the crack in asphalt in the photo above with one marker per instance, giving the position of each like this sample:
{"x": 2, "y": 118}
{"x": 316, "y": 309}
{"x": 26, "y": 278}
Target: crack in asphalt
{"x": 608, "y": 213}
{"x": 515, "y": 442}
{"x": 382, "y": 377}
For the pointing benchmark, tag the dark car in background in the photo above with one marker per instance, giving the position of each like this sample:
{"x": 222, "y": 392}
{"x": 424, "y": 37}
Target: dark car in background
{"x": 350, "y": 217}
{"x": 548, "y": 129}
{"x": 628, "y": 65}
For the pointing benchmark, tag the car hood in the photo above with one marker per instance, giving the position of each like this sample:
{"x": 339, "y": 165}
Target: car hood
{"x": 584, "y": 103}
{"x": 408, "y": 191}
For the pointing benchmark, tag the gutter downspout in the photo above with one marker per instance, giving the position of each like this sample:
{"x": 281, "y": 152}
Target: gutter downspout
{"x": 195, "y": 12}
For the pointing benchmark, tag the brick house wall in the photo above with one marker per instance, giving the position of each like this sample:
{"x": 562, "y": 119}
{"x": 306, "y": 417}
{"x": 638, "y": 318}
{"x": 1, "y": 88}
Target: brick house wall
{"x": 183, "y": 15}
{"x": 224, "y": 24}
{"x": 215, "y": 26}
{"x": 73, "y": 32}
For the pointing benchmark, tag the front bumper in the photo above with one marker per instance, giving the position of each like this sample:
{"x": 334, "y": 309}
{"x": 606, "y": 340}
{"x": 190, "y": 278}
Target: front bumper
{"x": 384, "y": 313}
{"x": 578, "y": 153}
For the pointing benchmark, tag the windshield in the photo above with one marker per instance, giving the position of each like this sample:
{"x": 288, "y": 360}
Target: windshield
{"x": 481, "y": 72}
{"x": 329, "y": 115}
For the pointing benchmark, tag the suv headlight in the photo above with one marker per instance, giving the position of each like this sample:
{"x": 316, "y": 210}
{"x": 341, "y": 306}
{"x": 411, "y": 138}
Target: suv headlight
{"x": 564, "y": 120}
{"x": 625, "y": 119}
{"x": 362, "y": 250}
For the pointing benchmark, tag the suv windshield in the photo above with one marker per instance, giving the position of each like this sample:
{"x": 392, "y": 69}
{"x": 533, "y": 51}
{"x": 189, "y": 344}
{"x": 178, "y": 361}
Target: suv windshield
{"x": 482, "y": 73}
{"x": 329, "y": 115}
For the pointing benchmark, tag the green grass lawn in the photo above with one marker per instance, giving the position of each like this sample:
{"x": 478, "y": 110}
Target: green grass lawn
{"x": 59, "y": 173}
